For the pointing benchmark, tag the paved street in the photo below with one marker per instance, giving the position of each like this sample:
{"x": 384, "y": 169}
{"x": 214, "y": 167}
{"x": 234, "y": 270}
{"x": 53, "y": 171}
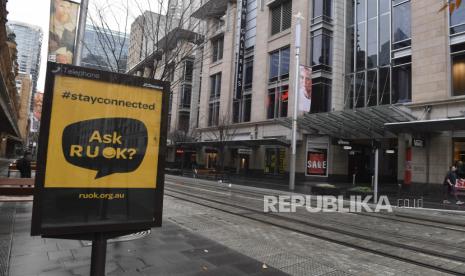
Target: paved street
{"x": 200, "y": 240}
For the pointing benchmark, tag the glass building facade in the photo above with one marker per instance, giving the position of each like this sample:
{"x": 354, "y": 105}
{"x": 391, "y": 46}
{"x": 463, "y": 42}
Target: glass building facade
{"x": 378, "y": 64}
{"x": 321, "y": 57}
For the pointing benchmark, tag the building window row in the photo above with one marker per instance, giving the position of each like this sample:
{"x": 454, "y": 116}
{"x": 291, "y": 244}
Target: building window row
{"x": 373, "y": 76}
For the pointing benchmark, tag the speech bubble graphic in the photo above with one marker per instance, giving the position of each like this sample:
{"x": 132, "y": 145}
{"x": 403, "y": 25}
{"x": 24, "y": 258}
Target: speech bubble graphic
{"x": 108, "y": 146}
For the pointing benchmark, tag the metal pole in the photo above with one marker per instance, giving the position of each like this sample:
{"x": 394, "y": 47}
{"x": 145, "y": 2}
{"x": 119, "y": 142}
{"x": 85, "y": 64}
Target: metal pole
{"x": 296, "y": 94}
{"x": 375, "y": 190}
{"x": 98, "y": 257}
{"x": 81, "y": 32}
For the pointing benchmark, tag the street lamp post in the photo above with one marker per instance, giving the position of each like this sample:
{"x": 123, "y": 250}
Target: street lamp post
{"x": 81, "y": 32}
{"x": 298, "y": 17}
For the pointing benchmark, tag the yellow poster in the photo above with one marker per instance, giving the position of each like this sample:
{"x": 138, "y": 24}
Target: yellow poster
{"x": 103, "y": 135}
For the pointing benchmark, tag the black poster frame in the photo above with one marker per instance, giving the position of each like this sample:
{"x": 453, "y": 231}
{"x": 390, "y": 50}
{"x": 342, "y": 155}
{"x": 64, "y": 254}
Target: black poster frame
{"x": 86, "y": 231}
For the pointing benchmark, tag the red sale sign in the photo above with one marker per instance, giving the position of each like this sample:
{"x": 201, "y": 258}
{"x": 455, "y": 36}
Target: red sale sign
{"x": 317, "y": 162}
{"x": 461, "y": 184}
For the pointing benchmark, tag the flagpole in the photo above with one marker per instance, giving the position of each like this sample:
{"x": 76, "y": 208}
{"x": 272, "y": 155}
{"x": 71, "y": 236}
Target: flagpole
{"x": 296, "y": 93}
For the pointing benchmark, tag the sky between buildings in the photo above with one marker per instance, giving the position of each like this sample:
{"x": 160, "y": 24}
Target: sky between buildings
{"x": 36, "y": 12}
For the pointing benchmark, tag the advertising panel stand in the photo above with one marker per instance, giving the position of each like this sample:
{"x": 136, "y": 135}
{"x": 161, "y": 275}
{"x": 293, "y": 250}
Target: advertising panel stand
{"x": 101, "y": 157}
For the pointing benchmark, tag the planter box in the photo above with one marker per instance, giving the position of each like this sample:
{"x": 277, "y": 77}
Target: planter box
{"x": 325, "y": 191}
{"x": 357, "y": 193}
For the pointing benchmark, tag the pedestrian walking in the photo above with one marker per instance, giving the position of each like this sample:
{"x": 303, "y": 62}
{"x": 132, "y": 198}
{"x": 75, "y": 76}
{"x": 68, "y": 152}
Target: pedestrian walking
{"x": 194, "y": 169}
{"x": 24, "y": 165}
{"x": 449, "y": 186}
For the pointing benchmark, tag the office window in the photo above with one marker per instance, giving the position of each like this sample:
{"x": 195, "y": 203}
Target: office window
{"x": 322, "y": 10}
{"x": 277, "y": 103}
{"x": 384, "y": 96}
{"x": 321, "y": 94}
{"x": 213, "y": 113}
{"x": 188, "y": 70}
{"x": 217, "y": 48}
{"x": 242, "y": 109}
{"x": 361, "y": 14}
{"x": 401, "y": 83}
{"x": 384, "y": 39}
{"x": 360, "y": 83}
{"x": 372, "y": 88}
{"x": 321, "y": 50}
{"x": 215, "y": 86}
{"x": 183, "y": 123}
{"x": 281, "y": 17}
{"x": 186, "y": 93}
{"x": 361, "y": 46}
{"x": 401, "y": 25}
{"x": 279, "y": 64}
{"x": 349, "y": 92}
{"x": 350, "y": 51}
{"x": 457, "y": 20}
{"x": 458, "y": 74}
{"x": 372, "y": 43}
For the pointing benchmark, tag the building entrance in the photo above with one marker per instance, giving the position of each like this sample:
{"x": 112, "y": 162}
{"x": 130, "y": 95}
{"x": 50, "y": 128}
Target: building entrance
{"x": 361, "y": 162}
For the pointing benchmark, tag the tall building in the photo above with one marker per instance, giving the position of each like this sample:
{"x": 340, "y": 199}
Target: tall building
{"x": 146, "y": 30}
{"x": 9, "y": 98}
{"x": 29, "y": 40}
{"x": 150, "y": 27}
{"x": 24, "y": 87}
{"x": 385, "y": 79}
{"x": 105, "y": 49}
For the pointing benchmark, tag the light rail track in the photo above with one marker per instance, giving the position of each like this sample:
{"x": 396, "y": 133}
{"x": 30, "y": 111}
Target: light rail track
{"x": 413, "y": 250}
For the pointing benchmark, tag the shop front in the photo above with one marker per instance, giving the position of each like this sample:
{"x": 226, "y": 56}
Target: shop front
{"x": 352, "y": 147}
{"x": 459, "y": 156}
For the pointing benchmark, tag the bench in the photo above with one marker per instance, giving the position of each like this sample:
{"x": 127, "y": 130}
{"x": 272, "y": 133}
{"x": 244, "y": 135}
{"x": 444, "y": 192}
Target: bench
{"x": 212, "y": 174}
{"x": 16, "y": 186}
{"x": 13, "y": 169}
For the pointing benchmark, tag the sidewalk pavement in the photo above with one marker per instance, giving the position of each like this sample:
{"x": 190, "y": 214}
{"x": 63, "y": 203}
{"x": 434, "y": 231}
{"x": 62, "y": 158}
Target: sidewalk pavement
{"x": 170, "y": 250}
{"x": 4, "y": 166}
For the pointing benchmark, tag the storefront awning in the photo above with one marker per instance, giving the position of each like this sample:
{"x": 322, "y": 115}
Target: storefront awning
{"x": 237, "y": 143}
{"x": 359, "y": 123}
{"x": 427, "y": 126}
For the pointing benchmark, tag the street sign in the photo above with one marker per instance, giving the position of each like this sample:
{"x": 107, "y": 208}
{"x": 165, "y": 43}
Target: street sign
{"x": 101, "y": 153}
{"x": 418, "y": 143}
{"x": 244, "y": 151}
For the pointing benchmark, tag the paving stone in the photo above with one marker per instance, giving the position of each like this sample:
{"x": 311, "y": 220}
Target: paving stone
{"x": 60, "y": 255}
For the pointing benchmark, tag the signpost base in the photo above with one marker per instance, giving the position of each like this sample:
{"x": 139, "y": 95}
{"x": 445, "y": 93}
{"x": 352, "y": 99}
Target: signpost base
{"x": 98, "y": 257}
